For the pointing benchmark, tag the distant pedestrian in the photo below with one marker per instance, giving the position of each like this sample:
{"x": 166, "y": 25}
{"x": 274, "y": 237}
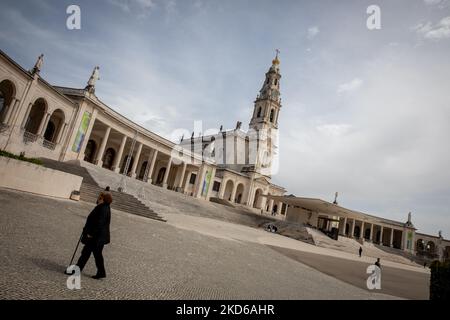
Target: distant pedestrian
{"x": 96, "y": 235}
{"x": 360, "y": 251}
{"x": 377, "y": 263}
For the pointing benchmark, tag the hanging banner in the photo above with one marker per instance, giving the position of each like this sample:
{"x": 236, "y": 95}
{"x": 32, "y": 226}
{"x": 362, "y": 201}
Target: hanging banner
{"x": 82, "y": 130}
{"x": 206, "y": 183}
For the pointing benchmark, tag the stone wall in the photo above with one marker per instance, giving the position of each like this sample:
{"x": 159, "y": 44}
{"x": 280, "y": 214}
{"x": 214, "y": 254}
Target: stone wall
{"x": 29, "y": 177}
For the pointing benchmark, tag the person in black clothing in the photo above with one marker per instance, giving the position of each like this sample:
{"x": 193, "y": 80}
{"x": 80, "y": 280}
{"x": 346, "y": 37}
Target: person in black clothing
{"x": 360, "y": 251}
{"x": 96, "y": 235}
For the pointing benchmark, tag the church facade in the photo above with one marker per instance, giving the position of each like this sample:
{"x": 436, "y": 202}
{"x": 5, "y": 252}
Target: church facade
{"x": 65, "y": 124}
{"x": 232, "y": 167}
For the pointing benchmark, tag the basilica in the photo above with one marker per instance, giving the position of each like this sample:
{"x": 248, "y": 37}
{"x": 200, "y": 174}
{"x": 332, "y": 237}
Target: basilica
{"x": 233, "y": 167}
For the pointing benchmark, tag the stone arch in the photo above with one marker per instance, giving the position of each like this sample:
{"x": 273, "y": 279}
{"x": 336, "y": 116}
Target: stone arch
{"x": 257, "y": 201}
{"x": 357, "y": 231}
{"x": 125, "y": 163}
{"x": 275, "y": 208}
{"x": 55, "y": 126}
{"x": 430, "y": 247}
{"x": 239, "y": 193}
{"x": 258, "y": 114}
{"x": 378, "y": 237}
{"x": 420, "y": 245}
{"x": 91, "y": 148}
{"x": 7, "y": 95}
{"x": 229, "y": 185}
{"x": 36, "y": 116}
{"x": 108, "y": 158}
{"x": 160, "y": 176}
{"x": 447, "y": 253}
{"x": 367, "y": 234}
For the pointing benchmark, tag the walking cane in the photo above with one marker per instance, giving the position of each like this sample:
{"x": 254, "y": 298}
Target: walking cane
{"x": 73, "y": 256}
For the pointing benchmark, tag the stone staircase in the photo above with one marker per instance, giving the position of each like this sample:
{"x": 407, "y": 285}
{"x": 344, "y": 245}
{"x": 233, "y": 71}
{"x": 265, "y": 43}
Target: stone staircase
{"x": 222, "y": 201}
{"x": 90, "y": 190}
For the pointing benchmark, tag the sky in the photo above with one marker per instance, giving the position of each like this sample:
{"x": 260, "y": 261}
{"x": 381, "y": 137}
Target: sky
{"x": 364, "y": 112}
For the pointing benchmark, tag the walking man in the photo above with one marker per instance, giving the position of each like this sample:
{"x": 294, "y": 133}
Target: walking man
{"x": 360, "y": 251}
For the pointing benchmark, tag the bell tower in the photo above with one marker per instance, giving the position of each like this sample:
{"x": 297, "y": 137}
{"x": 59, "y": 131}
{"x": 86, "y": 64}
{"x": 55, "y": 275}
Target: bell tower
{"x": 264, "y": 122}
{"x": 268, "y": 102}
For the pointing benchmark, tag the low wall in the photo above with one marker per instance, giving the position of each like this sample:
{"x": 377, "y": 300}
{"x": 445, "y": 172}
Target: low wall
{"x": 26, "y": 176}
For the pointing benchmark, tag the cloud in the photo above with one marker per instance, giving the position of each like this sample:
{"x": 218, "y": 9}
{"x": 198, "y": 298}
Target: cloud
{"x": 141, "y": 7}
{"x": 432, "y": 2}
{"x": 333, "y": 129}
{"x": 313, "y": 32}
{"x": 438, "y": 31}
{"x": 350, "y": 86}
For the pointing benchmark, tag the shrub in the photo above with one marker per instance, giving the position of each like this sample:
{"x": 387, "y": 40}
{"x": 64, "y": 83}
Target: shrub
{"x": 21, "y": 157}
{"x": 440, "y": 280}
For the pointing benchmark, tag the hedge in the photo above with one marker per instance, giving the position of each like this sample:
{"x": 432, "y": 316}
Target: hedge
{"x": 20, "y": 157}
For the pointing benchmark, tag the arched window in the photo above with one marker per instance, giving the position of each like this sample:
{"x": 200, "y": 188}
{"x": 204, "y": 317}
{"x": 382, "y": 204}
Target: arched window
{"x": 36, "y": 116}
{"x": 109, "y": 158}
{"x": 142, "y": 171}
{"x": 91, "y": 147}
{"x": 2, "y": 102}
{"x": 50, "y": 131}
{"x": 276, "y": 81}
{"x": 54, "y": 126}
{"x": 161, "y": 174}
{"x": 7, "y": 92}
{"x": 272, "y": 115}
{"x": 259, "y": 112}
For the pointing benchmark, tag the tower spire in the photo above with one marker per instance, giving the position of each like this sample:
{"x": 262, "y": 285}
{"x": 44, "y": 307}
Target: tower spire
{"x": 268, "y": 102}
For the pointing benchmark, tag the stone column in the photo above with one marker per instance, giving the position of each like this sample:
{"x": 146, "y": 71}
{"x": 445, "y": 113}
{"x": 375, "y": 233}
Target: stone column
{"x": 371, "y": 232}
{"x": 12, "y": 106}
{"x": 147, "y": 168}
{"x": 15, "y": 112}
{"x": 353, "y": 229}
{"x": 361, "y": 234}
{"x": 279, "y": 207}
{"x": 222, "y": 188}
{"x": 151, "y": 163}
{"x": 118, "y": 158}
{"x": 233, "y": 192}
{"x": 270, "y": 206}
{"x": 183, "y": 172}
{"x": 136, "y": 160}
{"x": 188, "y": 178}
{"x": 199, "y": 182}
{"x": 43, "y": 125}
{"x": 249, "y": 201}
{"x": 211, "y": 183}
{"x": 61, "y": 133}
{"x": 381, "y": 235}
{"x": 166, "y": 174}
{"x": 25, "y": 118}
{"x": 391, "y": 241}
{"x": 101, "y": 151}
{"x": 345, "y": 226}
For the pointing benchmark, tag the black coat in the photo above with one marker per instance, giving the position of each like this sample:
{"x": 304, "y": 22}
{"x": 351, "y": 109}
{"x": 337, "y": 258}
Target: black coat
{"x": 97, "y": 224}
